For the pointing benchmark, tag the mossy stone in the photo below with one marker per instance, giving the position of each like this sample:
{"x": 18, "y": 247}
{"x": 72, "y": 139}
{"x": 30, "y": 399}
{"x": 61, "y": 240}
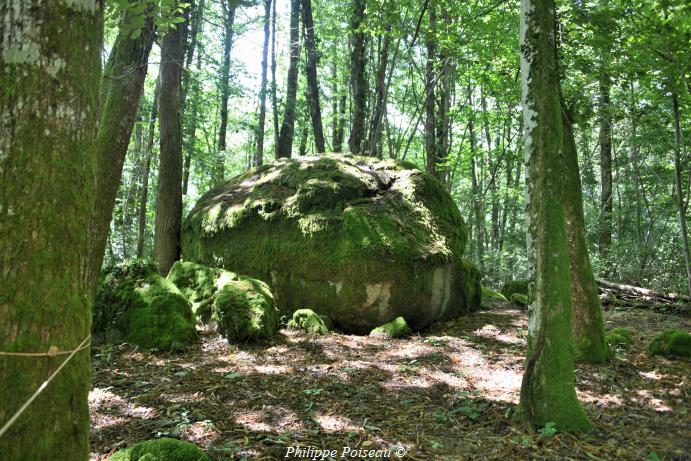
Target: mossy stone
{"x": 309, "y": 321}
{"x": 135, "y": 304}
{"x": 515, "y": 286}
{"x": 671, "y": 343}
{"x": 246, "y": 310}
{"x": 365, "y": 239}
{"x": 397, "y": 328}
{"x": 488, "y": 293}
{"x": 519, "y": 298}
{"x": 620, "y": 337}
{"x": 161, "y": 450}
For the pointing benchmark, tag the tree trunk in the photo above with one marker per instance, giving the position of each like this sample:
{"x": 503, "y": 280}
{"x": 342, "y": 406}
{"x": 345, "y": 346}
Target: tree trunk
{"x": 169, "y": 198}
{"x": 285, "y": 139}
{"x": 358, "y": 80}
{"x": 274, "y": 96}
{"x": 605, "y": 138}
{"x": 122, "y": 88}
{"x": 312, "y": 80}
{"x": 144, "y": 190}
{"x": 430, "y": 82}
{"x": 259, "y": 158}
{"x": 588, "y": 324}
{"x": 228, "y": 21}
{"x": 49, "y": 101}
{"x": 375, "y": 131}
{"x": 677, "y": 185}
{"x": 479, "y": 221}
{"x": 548, "y": 393}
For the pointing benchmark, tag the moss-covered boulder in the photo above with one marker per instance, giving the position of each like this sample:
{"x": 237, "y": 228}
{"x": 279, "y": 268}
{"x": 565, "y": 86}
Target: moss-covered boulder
{"x": 520, "y": 299}
{"x": 671, "y": 343}
{"x": 619, "y": 337}
{"x": 515, "y": 286}
{"x": 397, "y": 328}
{"x": 367, "y": 240}
{"x": 161, "y": 450}
{"x": 136, "y": 305}
{"x": 242, "y": 308}
{"x": 308, "y": 321}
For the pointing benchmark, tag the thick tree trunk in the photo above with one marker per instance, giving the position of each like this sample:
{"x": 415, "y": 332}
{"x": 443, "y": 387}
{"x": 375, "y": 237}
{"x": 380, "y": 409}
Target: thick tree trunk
{"x": 588, "y": 324}
{"x": 123, "y": 84}
{"x": 548, "y": 393}
{"x": 312, "y": 80}
{"x": 677, "y": 185}
{"x": 259, "y": 157}
{"x": 605, "y": 137}
{"x": 144, "y": 189}
{"x": 285, "y": 139}
{"x": 49, "y": 100}
{"x": 358, "y": 80}
{"x": 169, "y": 198}
{"x": 224, "y": 84}
{"x": 430, "y": 82}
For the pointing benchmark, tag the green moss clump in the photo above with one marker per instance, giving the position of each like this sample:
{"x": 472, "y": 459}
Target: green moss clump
{"x": 135, "y": 304}
{"x": 515, "y": 286}
{"x": 309, "y": 321}
{"x": 671, "y": 343}
{"x": 246, "y": 310}
{"x": 396, "y": 328}
{"x": 520, "y": 299}
{"x": 488, "y": 293}
{"x": 620, "y": 337}
{"x": 161, "y": 450}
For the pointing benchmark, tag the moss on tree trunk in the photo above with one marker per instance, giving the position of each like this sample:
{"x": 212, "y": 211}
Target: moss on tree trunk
{"x": 50, "y": 72}
{"x": 548, "y": 393}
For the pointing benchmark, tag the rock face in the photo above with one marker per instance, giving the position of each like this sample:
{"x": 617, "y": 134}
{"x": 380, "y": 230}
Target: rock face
{"x": 360, "y": 240}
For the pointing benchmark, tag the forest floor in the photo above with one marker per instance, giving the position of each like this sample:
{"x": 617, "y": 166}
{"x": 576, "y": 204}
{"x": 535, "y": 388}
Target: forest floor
{"x": 445, "y": 394}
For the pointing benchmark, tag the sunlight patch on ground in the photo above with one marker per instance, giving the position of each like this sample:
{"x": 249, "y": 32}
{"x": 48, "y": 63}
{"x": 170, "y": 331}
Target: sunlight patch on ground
{"x": 274, "y": 419}
{"x": 335, "y": 423}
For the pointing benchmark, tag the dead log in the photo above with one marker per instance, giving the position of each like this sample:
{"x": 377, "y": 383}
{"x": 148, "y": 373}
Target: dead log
{"x": 643, "y": 293}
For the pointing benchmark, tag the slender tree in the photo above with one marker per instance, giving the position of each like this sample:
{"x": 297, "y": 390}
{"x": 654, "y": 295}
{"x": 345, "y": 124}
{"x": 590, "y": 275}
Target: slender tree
{"x": 312, "y": 78}
{"x": 50, "y": 71}
{"x": 547, "y": 392}
{"x": 605, "y": 139}
{"x": 681, "y": 208}
{"x": 430, "y": 83}
{"x": 169, "y": 198}
{"x": 144, "y": 187}
{"x": 229, "y": 8}
{"x": 285, "y": 139}
{"x": 358, "y": 80}
{"x": 259, "y": 156}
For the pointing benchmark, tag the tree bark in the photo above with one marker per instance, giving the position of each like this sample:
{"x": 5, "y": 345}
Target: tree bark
{"x": 358, "y": 81}
{"x": 274, "y": 96}
{"x": 677, "y": 185}
{"x": 169, "y": 198}
{"x": 588, "y": 323}
{"x": 122, "y": 88}
{"x": 285, "y": 139}
{"x": 259, "y": 157}
{"x": 312, "y": 79}
{"x": 380, "y": 96}
{"x": 430, "y": 82}
{"x": 144, "y": 190}
{"x": 548, "y": 392}
{"x": 605, "y": 138}
{"x": 49, "y": 100}
{"x": 224, "y": 84}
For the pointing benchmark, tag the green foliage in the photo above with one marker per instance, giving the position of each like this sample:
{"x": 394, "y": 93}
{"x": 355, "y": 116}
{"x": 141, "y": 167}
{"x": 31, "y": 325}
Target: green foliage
{"x": 397, "y": 328}
{"x": 548, "y": 430}
{"x": 488, "y": 293}
{"x": 161, "y": 450}
{"x": 671, "y": 343}
{"x": 619, "y": 337}
{"x": 520, "y": 299}
{"x": 309, "y": 321}
{"x": 515, "y": 286}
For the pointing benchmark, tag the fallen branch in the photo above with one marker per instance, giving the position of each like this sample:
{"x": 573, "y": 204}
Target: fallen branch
{"x": 644, "y": 293}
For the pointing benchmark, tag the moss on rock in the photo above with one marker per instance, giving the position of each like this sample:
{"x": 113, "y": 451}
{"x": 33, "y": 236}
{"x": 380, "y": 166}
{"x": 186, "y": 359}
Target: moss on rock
{"x": 246, "y": 310}
{"x": 161, "y": 450}
{"x": 488, "y": 293}
{"x": 309, "y": 321}
{"x": 620, "y": 337}
{"x": 371, "y": 240}
{"x": 671, "y": 343}
{"x": 519, "y": 298}
{"x": 515, "y": 286}
{"x": 396, "y": 328}
{"x": 135, "y": 304}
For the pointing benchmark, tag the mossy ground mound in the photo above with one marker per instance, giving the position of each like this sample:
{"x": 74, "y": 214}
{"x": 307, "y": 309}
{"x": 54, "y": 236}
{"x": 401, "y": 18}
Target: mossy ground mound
{"x": 367, "y": 240}
{"x": 520, "y": 299}
{"x": 515, "y": 286}
{"x": 241, "y": 307}
{"x": 619, "y": 337}
{"x": 309, "y": 321}
{"x": 135, "y": 304}
{"x": 671, "y": 343}
{"x": 397, "y": 328}
{"x": 161, "y": 450}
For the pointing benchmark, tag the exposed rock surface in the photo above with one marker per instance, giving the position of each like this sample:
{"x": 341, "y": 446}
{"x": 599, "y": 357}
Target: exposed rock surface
{"x": 361, "y": 240}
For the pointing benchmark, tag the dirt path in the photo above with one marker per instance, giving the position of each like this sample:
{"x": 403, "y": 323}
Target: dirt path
{"x": 446, "y": 394}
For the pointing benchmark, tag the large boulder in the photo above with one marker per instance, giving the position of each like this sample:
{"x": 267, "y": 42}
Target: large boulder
{"x": 363, "y": 240}
{"x": 136, "y": 305}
